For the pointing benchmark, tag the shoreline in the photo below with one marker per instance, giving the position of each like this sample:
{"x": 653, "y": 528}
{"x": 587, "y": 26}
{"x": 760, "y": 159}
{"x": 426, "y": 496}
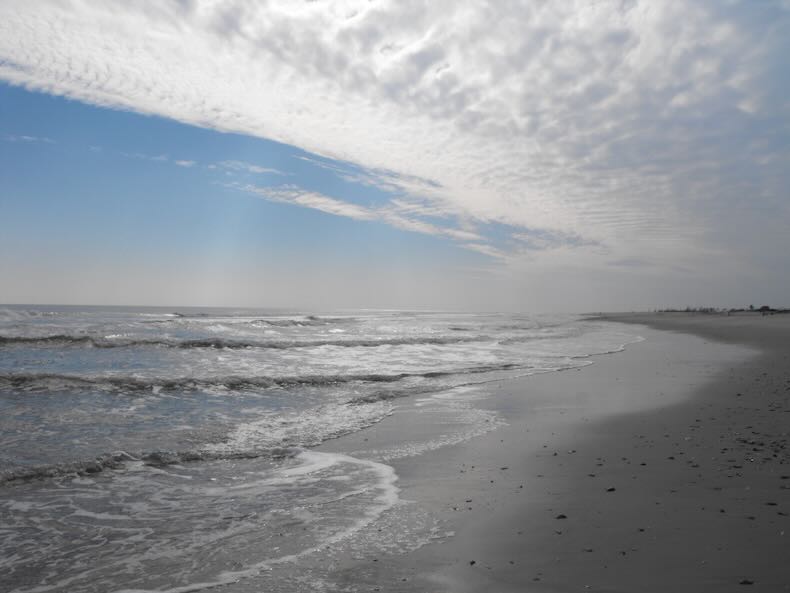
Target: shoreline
{"x": 589, "y": 488}
{"x": 764, "y": 332}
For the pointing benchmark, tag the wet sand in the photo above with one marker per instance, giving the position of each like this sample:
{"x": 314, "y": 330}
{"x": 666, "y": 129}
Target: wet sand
{"x": 662, "y": 468}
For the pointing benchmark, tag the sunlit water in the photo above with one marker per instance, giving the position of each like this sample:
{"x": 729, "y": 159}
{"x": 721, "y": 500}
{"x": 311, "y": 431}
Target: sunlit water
{"x": 158, "y": 450}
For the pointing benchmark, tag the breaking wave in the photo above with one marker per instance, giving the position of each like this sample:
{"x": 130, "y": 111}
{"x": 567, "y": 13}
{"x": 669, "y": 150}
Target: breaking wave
{"x": 224, "y": 343}
{"x": 128, "y": 383}
{"x": 119, "y": 459}
{"x": 307, "y": 321}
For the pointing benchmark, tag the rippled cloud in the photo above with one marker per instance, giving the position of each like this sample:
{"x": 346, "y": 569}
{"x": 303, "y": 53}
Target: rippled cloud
{"x": 630, "y": 130}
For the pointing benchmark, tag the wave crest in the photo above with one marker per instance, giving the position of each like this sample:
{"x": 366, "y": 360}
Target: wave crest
{"x": 224, "y": 343}
{"x": 128, "y": 383}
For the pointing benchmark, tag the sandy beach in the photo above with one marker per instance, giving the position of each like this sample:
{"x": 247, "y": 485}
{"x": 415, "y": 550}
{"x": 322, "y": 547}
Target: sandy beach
{"x": 662, "y": 468}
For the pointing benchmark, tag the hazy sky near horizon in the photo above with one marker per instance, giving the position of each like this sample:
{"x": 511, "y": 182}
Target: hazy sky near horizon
{"x": 529, "y": 155}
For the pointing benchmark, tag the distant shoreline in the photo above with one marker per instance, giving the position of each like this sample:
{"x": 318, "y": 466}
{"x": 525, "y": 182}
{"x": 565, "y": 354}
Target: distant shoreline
{"x": 748, "y": 327}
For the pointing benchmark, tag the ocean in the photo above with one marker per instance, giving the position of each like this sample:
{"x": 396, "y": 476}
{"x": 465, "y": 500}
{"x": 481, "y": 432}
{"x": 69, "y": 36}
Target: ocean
{"x": 173, "y": 450}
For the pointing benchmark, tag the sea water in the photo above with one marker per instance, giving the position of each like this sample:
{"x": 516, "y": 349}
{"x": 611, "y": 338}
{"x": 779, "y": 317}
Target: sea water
{"x": 148, "y": 449}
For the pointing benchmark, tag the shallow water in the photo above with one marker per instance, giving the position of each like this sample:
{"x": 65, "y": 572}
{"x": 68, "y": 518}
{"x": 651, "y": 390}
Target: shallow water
{"x": 145, "y": 449}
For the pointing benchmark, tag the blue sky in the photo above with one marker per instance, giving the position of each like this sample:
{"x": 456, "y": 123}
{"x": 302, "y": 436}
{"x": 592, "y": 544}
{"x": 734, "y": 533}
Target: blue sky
{"x": 84, "y": 185}
{"x": 529, "y": 155}
{"x": 101, "y": 171}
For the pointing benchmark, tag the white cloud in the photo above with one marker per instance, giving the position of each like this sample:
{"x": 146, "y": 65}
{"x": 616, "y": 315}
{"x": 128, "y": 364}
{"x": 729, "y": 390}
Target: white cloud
{"x": 157, "y": 158}
{"x": 317, "y": 201}
{"x": 487, "y": 250}
{"x": 543, "y": 239}
{"x": 248, "y": 167}
{"x": 292, "y": 194}
{"x": 650, "y": 127}
{"x": 24, "y": 138}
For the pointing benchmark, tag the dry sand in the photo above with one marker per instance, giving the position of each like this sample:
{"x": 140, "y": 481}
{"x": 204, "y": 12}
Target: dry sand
{"x": 662, "y": 468}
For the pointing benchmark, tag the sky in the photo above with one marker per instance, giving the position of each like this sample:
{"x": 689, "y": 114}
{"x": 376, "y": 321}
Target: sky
{"x": 507, "y": 155}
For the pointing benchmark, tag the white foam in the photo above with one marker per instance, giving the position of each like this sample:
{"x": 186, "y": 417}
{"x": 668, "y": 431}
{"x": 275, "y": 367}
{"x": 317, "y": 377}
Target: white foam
{"x": 385, "y": 498}
{"x": 301, "y": 428}
{"x": 455, "y": 410}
